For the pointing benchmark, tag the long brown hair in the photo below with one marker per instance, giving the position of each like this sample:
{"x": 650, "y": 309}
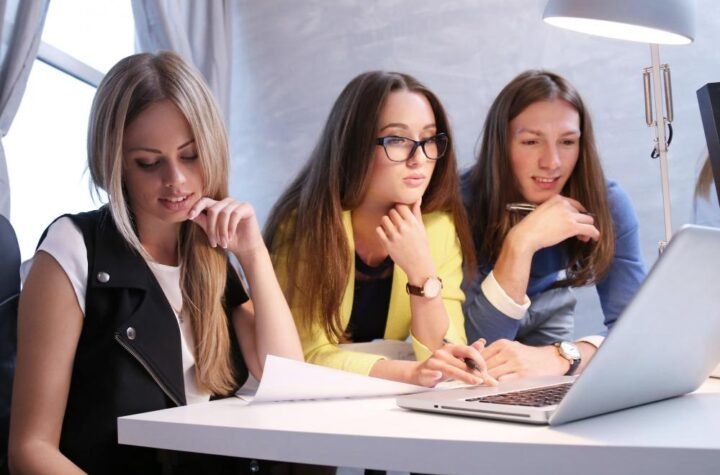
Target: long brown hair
{"x": 704, "y": 180}
{"x": 492, "y": 184}
{"x": 306, "y": 221}
{"x": 129, "y": 88}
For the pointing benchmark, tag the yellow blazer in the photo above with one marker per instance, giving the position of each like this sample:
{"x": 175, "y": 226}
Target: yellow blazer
{"x": 447, "y": 256}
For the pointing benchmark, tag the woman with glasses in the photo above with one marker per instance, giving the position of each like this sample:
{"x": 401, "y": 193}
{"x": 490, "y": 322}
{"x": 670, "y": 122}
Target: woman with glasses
{"x": 544, "y": 219}
{"x": 369, "y": 240}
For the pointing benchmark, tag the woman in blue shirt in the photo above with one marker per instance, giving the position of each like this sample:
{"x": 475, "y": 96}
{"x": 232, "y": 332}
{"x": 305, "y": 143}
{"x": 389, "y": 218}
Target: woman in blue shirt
{"x": 579, "y": 229}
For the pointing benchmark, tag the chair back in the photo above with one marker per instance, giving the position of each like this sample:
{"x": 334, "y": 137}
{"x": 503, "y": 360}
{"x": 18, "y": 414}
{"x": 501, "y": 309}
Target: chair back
{"x": 9, "y": 295}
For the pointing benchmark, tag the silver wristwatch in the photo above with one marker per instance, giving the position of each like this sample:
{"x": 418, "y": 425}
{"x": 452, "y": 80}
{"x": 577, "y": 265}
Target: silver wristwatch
{"x": 570, "y": 352}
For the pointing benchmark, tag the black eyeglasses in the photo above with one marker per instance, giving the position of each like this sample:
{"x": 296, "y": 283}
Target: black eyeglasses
{"x": 400, "y": 149}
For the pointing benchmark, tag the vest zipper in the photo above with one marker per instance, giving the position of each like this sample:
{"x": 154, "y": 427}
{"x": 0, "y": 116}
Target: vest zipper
{"x": 147, "y": 368}
{"x": 10, "y": 299}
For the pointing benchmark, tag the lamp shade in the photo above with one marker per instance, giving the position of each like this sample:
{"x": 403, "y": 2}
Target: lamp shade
{"x": 648, "y": 21}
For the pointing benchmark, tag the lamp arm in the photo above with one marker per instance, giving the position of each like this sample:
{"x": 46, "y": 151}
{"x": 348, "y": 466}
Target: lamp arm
{"x": 661, "y": 141}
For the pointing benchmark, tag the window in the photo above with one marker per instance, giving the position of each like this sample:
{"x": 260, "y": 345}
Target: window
{"x": 46, "y": 145}
{"x": 96, "y": 33}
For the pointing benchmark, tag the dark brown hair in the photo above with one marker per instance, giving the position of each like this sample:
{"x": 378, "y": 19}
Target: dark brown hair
{"x": 704, "y": 180}
{"x": 492, "y": 184}
{"x": 306, "y": 221}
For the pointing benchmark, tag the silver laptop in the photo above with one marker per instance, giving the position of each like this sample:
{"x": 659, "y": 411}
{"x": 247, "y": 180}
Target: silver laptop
{"x": 665, "y": 344}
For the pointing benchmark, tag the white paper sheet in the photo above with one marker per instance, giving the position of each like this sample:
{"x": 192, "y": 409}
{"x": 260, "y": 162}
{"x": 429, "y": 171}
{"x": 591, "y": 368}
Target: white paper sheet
{"x": 286, "y": 380}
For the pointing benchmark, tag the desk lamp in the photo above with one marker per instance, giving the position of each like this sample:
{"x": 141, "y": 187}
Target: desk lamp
{"x": 656, "y": 22}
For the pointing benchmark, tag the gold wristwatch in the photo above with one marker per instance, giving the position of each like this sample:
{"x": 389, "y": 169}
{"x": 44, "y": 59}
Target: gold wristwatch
{"x": 430, "y": 289}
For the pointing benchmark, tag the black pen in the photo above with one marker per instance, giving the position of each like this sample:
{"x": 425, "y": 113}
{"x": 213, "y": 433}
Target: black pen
{"x": 469, "y": 362}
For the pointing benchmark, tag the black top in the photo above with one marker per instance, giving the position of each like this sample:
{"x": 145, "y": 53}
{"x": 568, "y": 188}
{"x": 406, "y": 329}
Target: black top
{"x": 371, "y": 302}
{"x": 128, "y": 358}
{"x": 9, "y": 293}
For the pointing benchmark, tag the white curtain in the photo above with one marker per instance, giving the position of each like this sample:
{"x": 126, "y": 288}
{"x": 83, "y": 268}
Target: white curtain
{"x": 200, "y": 31}
{"x": 21, "y": 24}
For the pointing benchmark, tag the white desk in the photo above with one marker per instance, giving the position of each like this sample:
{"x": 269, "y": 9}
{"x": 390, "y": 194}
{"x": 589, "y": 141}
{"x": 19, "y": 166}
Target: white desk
{"x": 676, "y": 436}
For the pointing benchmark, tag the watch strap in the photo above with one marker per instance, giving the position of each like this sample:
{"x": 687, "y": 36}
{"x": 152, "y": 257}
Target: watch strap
{"x": 414, "y": 290}
{"x": 574, "y": 363}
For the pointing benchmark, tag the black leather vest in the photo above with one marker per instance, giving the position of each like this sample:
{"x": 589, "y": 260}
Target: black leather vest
{"x": 128, "y": 358}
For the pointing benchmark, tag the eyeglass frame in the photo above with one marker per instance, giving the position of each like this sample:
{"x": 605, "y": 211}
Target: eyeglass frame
{"x": 416, "y": 144}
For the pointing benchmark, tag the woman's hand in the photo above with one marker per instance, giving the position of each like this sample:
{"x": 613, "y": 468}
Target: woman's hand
{"x": 452, "y": 362}
{"x": 263, "y": 325}
{"x": 229, "y": 224}
{"x": 403, "y": 234}
{"x": 507, "y": 359}
{"x": 555, "y": 220}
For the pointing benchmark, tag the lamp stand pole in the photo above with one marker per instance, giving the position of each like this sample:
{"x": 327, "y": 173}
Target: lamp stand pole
{"x": 659, "y": 123}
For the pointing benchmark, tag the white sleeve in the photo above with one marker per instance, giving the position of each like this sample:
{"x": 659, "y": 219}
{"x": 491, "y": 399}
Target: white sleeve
{"x": 594, "y": 340}
{"x": 497, "y": 296}
{"x": 65, "y": 243}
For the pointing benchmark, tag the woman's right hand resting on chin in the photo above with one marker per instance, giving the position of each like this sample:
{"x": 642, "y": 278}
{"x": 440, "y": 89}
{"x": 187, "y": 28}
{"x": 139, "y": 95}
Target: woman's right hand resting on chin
{"x": 554, "y": 221}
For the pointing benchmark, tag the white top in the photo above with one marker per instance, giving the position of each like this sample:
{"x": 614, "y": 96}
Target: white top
{"x": 65, "y": 243}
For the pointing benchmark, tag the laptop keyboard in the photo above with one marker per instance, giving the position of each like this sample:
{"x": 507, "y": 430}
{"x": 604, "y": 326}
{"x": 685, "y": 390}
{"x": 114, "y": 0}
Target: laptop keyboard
{"x": 536, "y": 397}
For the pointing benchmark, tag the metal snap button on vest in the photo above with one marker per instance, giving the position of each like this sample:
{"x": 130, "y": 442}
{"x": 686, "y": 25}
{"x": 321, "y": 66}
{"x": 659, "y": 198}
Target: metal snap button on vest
{"x": 130, "y": 332}
{"x": 103, "y": 277}
{"x": 254, "y": 466}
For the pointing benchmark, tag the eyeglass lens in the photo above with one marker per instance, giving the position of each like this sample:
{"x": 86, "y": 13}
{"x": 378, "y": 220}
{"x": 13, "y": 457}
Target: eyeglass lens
{"x": 400, "y": 149}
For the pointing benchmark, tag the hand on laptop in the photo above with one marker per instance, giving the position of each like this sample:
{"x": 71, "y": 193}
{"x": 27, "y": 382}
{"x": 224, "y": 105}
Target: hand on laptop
{"x": 459, "y": 362}
{"x": 507, "y": 359}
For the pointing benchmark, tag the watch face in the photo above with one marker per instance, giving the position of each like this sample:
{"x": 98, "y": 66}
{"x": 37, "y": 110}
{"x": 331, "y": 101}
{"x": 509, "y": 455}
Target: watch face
{"x": 432, "y": 287}
{"x": 569, "y": 350}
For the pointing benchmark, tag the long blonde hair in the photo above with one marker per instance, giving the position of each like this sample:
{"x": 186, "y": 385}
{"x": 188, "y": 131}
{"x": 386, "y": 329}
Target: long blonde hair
{"x": 307, "y": 218}
{"x": 131, "y": 86}
{"x": 493, "y": 185}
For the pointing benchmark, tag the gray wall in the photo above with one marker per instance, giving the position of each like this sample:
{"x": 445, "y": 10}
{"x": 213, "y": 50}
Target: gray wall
{"x": 294, "y": 57}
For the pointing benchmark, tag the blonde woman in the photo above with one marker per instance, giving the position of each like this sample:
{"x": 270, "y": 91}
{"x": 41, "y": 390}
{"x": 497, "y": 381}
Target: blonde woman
{"x": 134, "y": 307}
